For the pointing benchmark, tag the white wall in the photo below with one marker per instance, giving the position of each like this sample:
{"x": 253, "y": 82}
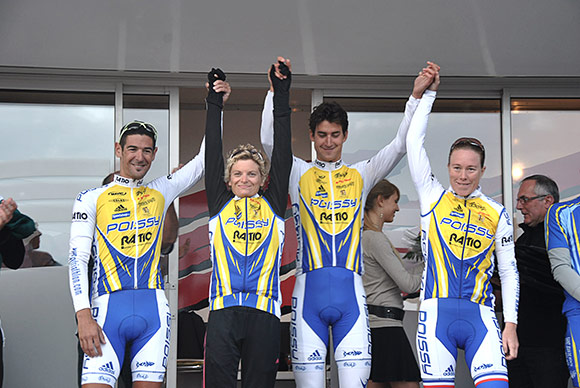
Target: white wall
{"x": 39, "y": 326}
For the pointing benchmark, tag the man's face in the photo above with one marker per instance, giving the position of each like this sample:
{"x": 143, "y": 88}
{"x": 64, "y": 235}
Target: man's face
{"x": 533, "y": 210}
{"x": 328, "y": 140}
{"x": 136, "y": 156}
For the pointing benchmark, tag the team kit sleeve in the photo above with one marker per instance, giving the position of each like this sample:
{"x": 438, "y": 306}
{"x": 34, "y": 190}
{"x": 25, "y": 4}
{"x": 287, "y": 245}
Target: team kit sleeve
{"x": 381, "y": 164}
{"x": 81, "y": 238}
{"x": 507, "y": 267}
{"x": 281, "y": 158}
{"x": 215, "y": 187}
{"x": 425, "y": 182}
{"x": 558, "y": 248}
{"x": 267, "y": 126}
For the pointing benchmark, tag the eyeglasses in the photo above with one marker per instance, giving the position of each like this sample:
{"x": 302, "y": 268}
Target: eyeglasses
{"x": 135, "y": 125}
{"x": 253, "y": 151}
{"x": 462, "y": 141}
{"x": 523, "y": 199}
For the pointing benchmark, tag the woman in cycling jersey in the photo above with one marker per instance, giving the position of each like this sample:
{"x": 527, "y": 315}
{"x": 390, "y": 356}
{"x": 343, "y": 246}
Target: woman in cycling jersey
{"x": 246, "y": 232}
{"x": 393, "y": 363}
{"x": 463, "y": 233}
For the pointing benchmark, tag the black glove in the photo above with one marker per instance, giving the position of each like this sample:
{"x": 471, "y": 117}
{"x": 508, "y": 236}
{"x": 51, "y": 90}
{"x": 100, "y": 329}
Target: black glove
{"x": 281, "y": 85}
{"x": 212, "y": 96}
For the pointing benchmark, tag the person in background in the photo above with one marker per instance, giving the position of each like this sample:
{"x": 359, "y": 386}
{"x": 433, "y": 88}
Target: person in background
{"x": 14, "y": 227}
{"x": 541, "y": 362}
{"x": 393, "y": 362}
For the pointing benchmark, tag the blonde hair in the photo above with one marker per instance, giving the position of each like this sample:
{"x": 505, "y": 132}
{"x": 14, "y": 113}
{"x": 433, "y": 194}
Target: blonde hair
{"x": 246, "y": 152}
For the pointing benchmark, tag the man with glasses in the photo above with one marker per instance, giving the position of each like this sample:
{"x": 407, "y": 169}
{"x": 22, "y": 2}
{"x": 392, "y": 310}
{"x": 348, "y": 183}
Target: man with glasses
{"x": 121, "y": 225}
{"x": 541, "y": 326}
{"x": 563, "y": 244}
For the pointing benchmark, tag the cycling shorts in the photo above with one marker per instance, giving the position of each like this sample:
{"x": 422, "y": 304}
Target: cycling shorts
{"x": 446, "y": 324}
{"x": 139, "y": 319}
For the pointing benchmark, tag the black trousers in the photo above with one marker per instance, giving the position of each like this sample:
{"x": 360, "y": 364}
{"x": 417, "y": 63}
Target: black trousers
{"x": 538, "y": 367}
{"x": 244, "y": 333}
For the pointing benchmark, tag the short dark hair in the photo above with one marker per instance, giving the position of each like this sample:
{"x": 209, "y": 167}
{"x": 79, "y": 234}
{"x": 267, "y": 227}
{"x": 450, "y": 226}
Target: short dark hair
{"x": 137, "y": 128}
{"x": 468, "y": 143}
{"x": 385, "y": 189}
{"x": 109, "y": 178}
{"x": 544, "y": 186}
{"x": 331, "y": 112}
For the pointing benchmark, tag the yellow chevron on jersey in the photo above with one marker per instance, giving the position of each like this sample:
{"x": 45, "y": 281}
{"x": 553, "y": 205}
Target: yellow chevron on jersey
{"x": 246, "y": 246}
{"x": 331, "y": 217}
{"x": 461, "y": 239}
{"x": 129, "y": 227}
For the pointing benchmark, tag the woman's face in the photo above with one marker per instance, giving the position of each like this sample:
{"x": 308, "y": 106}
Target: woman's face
{"x": 245, "y": 178}
{"x": 465, "y": 171}
{"x": 389, "y": 207}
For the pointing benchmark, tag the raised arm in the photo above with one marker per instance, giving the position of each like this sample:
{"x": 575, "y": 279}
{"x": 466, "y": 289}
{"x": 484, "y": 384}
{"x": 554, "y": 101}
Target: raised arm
{"x": 281, "y": 78}
{"x": 215, "y": 187}
{"x": 387, "y": 158}
{"x": 419, "y": 165}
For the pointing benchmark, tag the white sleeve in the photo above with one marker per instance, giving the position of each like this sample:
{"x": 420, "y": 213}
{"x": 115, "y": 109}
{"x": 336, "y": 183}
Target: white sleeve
{"x": 428, "y": 187}
{"x": 561, "y": 263}
{"x": 507, "y": 267}
{"x": 380, "y": 165}
{"x": 174, "y": 184}
{"x": 267, "y": 127}
{"x": 82, "y": 231}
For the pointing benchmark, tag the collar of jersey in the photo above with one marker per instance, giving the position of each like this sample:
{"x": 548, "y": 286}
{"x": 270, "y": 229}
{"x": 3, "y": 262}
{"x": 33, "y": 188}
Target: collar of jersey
{"x": 128, "y": 182}
{"x": 475, "y": 194}
{"x": 253, "y": 196}
{"x": 328, "y": 166}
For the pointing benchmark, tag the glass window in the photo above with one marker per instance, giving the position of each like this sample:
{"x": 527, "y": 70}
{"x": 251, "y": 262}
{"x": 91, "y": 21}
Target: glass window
{"x": 55, "y": 145}
{"x": 545, "y": 135}
{"x": 371, "y": 128}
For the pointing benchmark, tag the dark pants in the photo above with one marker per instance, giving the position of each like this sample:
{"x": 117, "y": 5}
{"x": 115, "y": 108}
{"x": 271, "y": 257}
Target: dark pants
{"x": 538, "y": 367}
{"x": 246, "y": 333}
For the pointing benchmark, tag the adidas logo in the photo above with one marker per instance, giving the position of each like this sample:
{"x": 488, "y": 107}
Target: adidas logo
{"x": 458, "y": 209}
{"x": 120, "y": 208}
{"x": 449, "y": 371}
{"x": 315, "y": 356}
{"x": 108, "y": 367}
{"x": 321, "y": 188}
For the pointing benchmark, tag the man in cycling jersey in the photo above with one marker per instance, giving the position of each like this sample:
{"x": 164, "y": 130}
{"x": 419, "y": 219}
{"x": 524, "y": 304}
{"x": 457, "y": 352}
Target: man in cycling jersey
{"x": 563, "y": 244}
{"x": 328, "y": 197}
{"x": 121, "y": 225}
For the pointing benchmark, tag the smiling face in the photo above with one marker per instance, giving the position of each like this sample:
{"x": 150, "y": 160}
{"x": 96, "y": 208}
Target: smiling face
{"x": 465, "y": 171}
{"x": 328, "y": 139}
{"x": 245, "y": 178}
{"x": 136, "y": 156}
{"x": 534, "y": 210}
{"x": 389, "y": 207}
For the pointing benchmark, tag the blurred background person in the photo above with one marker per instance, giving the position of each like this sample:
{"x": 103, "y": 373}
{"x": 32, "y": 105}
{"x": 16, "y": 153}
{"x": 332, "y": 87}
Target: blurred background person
{"x": 541, "y": 361}
{"x": 393, "y": 362}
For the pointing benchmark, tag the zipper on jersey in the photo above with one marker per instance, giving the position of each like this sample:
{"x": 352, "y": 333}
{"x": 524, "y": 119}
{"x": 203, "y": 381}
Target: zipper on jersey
{"x": 246, "y": 255}
{"x": 333, "y": 220}
{"x": 135, "y": 283}
{"x": 463, "y": 250}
